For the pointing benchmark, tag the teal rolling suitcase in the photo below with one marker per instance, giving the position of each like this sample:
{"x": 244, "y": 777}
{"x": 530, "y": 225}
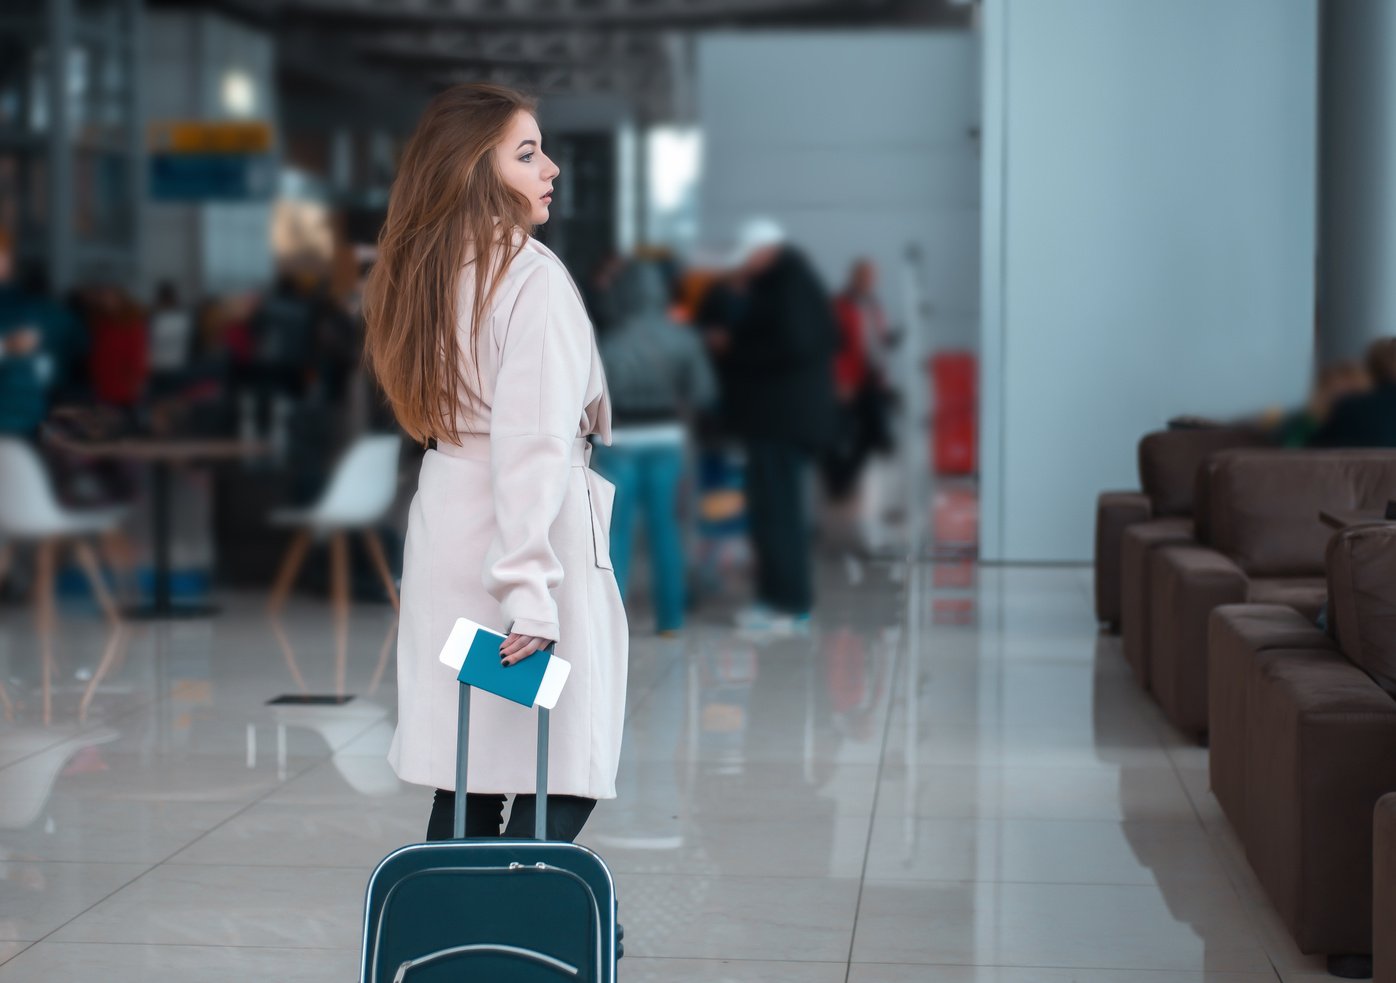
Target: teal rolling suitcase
{"x": 491, "y": 910}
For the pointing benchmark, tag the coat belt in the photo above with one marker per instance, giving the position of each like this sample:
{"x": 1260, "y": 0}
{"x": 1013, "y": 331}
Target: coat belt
{"x": 476, "y": 447}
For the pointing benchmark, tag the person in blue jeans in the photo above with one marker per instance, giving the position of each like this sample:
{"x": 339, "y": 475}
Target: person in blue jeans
{"x": 659, "y": 378}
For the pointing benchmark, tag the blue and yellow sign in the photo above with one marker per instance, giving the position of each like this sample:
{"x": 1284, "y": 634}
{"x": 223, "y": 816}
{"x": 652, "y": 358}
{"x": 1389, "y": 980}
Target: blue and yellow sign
{"x": 195, "y": 160}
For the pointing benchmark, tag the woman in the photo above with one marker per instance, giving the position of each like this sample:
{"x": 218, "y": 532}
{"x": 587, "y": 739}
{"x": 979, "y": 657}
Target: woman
{"x": 480, "y": 341}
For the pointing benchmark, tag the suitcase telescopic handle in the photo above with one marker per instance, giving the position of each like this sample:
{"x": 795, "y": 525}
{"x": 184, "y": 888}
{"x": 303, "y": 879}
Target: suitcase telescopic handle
{"x": 540, "y": 821}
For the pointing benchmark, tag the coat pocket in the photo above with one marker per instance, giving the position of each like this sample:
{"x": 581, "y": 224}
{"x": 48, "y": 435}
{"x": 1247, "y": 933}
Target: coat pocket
{"x": 602, "y": 496}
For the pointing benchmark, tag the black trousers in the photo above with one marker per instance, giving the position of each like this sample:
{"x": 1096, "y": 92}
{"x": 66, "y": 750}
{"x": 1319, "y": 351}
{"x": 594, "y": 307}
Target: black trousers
{"x": 484, "y": 814}
{"x": 775, "y": 493}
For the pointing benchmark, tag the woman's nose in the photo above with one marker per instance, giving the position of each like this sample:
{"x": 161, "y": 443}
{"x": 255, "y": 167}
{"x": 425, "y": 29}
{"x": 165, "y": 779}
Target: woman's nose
{"x": 552, "y": 170}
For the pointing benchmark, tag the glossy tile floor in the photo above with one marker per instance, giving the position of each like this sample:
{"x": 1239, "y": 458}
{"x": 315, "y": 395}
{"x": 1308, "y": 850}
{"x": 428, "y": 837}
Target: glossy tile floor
{"x": 953, "y": 778}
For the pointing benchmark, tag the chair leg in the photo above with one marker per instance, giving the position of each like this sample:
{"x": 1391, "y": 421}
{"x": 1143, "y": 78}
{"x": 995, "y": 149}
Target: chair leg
{"x": 375, "y": 552}
{"x": 288, "y": 653}
{"x": 44, "y": 619}
{"x": 383, "y": 654}
{"x": 339, "y": 595}
{"x": 7, "y": 551}
{"x": 120, "y": 555}
{"x": 290, "y": 566}
{"x": 116, "y": 645}
{"x": 87, "y": 559}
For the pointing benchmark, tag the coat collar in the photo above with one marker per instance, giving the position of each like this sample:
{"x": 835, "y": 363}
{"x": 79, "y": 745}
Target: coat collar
{"x": 601, "y": 424}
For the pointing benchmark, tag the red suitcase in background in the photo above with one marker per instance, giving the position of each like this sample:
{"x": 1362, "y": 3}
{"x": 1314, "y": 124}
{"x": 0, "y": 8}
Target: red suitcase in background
{"x": 954, "y": 422}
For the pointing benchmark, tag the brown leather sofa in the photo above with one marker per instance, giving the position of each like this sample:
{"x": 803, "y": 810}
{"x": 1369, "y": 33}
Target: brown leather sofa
{"x": 1168, "y": 461}
{"x": 1384, "y": 892}
{"x": 1303, "y": 744}
{"x": 1137, "y": 547}
{"x": 1262, "y": 543}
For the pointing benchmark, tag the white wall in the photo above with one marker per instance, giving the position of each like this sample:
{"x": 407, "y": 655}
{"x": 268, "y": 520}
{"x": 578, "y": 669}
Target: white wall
{"x": 859, "y": 143}
{"x": 1357, "y": 292}
{"x": 1149, "y": 240}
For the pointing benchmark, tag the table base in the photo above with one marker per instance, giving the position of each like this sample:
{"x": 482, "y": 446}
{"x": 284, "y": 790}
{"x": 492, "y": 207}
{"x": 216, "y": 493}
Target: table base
{"x": 157, "y": 612}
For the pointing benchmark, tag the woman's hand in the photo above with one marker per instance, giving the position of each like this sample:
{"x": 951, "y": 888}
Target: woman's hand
{"x": 517, "y": 647}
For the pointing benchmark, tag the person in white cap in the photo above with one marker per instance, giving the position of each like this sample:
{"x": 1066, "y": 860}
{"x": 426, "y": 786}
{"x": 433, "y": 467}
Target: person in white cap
{"x": 781, "y": 404}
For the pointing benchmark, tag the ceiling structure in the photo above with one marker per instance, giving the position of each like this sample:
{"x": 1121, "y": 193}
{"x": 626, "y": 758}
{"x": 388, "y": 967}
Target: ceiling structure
{"x": 636, "y": 50}
{"x": 535, "y": 14}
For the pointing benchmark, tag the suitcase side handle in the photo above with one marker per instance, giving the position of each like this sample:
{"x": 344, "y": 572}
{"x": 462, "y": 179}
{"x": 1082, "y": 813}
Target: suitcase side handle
{"x": 540, "y": 815}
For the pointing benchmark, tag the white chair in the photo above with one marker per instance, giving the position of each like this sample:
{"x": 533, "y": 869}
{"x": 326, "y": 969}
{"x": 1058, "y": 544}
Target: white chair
{"x": 29, "y": 513}
{"x": 367, "y": 772}
{"x": 359, "y": 494}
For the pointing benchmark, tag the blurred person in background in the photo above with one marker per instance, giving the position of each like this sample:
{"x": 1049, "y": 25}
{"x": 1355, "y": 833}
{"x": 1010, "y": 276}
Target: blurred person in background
{"x": 709, "y": 298}
{"x": 39, "y": 339}
{"x": 481, "y": 343}
{"x": 304, "y": 341}
{"x": 716, "y": 312}
{"x": 338, "y": 347}
{"x": 864, "y": 396}
{"x": 1365, "y": 418}
{"x": 659, "y": 378}
{"x": 119, "y": 359}
{"x": 780, "y": 402}
{"x": 671, "y": 274}
{"x": 279, "y": 388}
{"x": 283, "y": 333}
{"x": 224, "y": 331}
{"x": 171, "y": 331}
{"x": 1335, "y": 382}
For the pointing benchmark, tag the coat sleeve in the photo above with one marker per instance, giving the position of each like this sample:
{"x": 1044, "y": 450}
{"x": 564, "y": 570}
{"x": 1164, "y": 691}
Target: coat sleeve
{"x": 544, "y": 364}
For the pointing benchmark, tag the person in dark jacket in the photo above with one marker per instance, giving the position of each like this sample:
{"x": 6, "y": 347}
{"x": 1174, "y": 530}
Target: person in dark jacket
{"x": 1366, "y": 419}
{"x": 718, "y": 309}
{"x": 780, "y": 394}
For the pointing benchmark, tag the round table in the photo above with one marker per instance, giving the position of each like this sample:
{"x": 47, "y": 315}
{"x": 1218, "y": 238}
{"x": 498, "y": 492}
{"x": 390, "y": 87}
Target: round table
{"x": 162, "y": 454}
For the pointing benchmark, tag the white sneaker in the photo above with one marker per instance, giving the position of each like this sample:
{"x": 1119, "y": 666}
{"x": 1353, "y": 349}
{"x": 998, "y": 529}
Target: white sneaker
{"x": 760, "y": 619}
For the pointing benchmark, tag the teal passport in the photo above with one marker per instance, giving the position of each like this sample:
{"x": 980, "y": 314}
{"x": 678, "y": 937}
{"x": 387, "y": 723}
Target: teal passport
{"x": 474, "y": 651}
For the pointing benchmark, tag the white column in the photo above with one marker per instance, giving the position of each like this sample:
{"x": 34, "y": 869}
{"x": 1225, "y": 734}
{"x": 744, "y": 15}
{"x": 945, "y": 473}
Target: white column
{"x": 1149, "y": 240}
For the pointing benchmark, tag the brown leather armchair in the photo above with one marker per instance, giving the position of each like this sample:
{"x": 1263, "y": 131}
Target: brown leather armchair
{"x": 1241, "y": 637}
{"x": 1384, "y": 892}
{"x": 1303, "y": 745}
{"x": 1138, "y": 545}
{"x": 1262, "y": 543}
{"x": 1168, "y": 461}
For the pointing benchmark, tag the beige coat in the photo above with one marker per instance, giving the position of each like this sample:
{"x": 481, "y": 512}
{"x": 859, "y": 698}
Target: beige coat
{"x": 511, "y": 529}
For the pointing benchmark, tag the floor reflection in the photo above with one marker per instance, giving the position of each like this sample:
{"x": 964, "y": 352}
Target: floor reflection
{"x": 952, "y": 771}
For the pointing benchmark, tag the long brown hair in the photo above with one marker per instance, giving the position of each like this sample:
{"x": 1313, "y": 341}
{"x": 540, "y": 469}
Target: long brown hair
{"x": 449, "y": 209}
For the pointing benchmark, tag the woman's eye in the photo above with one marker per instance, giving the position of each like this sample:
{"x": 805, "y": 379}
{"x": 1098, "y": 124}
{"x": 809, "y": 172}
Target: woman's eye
{"x": 527, "y": 158}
